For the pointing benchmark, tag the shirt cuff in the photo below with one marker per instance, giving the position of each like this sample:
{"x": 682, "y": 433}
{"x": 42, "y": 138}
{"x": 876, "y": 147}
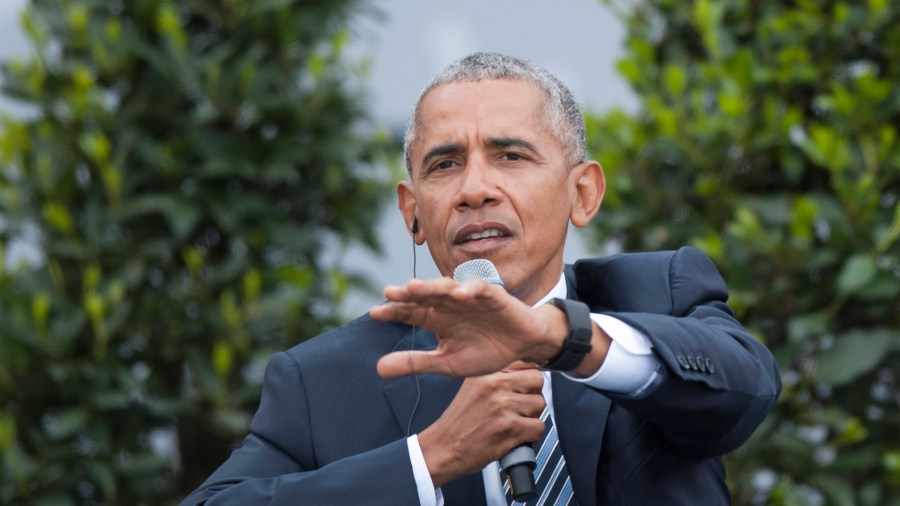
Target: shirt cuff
{"x": 428, "y": 495}
{"x": 630, "y": 366}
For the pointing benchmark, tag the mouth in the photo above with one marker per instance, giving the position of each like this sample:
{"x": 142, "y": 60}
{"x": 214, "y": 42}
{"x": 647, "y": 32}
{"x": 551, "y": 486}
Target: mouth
{"x": 480, "y": 235}
{"x": 487, "y": 234}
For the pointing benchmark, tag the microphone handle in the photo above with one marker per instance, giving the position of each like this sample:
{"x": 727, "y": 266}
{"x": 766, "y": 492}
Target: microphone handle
{"x": 518, "y": 465}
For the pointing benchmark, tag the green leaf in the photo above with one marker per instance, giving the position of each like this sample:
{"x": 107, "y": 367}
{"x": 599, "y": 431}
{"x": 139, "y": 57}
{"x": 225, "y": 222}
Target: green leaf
{"x": 181, "y": 215}
{"x": 222, "y": 358}
{"x": 144, "y": 464}
{"x": 629, "y": 70}
{"x": 838, "y": 491}
{"x": 854, "y": 353}
{"x": 674, "y": 78}
{"x": 58, "y": 217}
{"x": 102, "y": 474}
{"x": 858, "y": 271}
{"x": 111, "y": 399}
{"x": 805, "y": 327}
{"x": 66, "y": 423}
{"x": 233, "y": 422}
{"x": 7, "y": 433}
{"x": 852, "y": 431}
{"x": 883, "y": 288}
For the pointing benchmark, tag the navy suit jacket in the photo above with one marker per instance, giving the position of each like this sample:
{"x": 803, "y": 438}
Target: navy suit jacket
{"x": 330, "y": 431}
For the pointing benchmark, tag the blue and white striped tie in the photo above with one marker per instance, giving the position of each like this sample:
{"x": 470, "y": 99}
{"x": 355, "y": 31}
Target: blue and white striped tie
{"x": 551, "y": 477}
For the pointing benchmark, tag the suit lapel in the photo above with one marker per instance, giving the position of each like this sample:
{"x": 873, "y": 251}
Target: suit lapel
{"x": 418, "y": 402}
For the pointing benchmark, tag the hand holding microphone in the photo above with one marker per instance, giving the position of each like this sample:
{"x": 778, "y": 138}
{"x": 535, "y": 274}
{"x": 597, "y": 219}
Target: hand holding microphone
{"x": 481, "y": 330}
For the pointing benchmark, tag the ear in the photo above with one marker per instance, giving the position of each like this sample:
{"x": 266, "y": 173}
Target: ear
{"x": 590, "y": 185}
{"x": 406, "y": 200}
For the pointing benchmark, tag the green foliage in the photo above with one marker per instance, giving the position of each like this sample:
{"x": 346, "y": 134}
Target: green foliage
{"x": 768, "y": 137}
{"x": 176, "y": 174}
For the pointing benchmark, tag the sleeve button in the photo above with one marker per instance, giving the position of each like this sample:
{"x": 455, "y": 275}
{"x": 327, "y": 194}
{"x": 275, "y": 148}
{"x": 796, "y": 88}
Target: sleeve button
{"x": 701, "y": 364}
{"x": 692, "y": 363}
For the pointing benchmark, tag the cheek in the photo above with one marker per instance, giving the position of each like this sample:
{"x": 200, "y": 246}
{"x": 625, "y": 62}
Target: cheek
{"x": 428, "y": 210}
{"x": 549, "y": 202}
{"x": 433, "y": 225}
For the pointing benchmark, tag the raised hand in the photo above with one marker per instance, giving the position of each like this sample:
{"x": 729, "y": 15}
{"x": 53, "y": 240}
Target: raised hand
{"x": 480, "y": 327}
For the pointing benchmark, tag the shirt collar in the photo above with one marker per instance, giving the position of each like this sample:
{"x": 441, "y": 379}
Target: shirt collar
{"x": 558, "y": 291}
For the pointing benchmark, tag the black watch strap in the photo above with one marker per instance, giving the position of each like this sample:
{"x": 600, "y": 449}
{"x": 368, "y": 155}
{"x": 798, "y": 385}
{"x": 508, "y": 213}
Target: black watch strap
{"x": 578, "y": 342}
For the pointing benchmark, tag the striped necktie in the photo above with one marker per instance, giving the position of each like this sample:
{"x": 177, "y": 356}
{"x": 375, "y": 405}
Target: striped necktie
{"x": 550, "y": 475}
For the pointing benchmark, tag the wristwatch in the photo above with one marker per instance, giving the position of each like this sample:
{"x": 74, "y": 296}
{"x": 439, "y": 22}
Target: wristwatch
{"x": 578, "y": 342}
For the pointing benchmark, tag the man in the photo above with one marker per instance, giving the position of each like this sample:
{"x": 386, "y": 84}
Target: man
{"x": 659, "y": 380}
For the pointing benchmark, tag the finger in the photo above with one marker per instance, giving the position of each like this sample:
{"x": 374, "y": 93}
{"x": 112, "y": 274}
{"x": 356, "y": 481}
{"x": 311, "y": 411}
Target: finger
{"x": 448, "y": 296}
{"x": 413, "y": 289}
{"x": 404, "y": 363}
{"x": 392, "y": 312}
{"x": 444, "y": 295}
{"x": 395, "y": 292}
{"x": 531, "y": 405}
{"x": 417, "y": 289}
{"x": 399, "y": 311}
{"x": 431, "y": 288}
{"x": 533, "y": 430}
{"x": 482, "y": 289}
{"x": 526, "y": 381}
{"x": 382, "y": 313}
{"x": 449, "y": 289}
{"x": 423, "y": 295}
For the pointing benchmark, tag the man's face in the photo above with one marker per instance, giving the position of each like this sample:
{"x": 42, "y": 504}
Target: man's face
{"x": 490, "y": 180}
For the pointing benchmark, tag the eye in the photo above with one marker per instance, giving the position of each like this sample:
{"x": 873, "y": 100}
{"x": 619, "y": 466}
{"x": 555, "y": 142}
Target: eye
{"x": 512, "y": 157}
{"x": 441, "y": 165}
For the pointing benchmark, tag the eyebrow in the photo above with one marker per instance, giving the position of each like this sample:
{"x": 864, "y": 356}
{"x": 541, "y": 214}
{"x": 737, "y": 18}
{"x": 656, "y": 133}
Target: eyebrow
{"x": 511, "y": 142}
{"x": 445, "y": 149}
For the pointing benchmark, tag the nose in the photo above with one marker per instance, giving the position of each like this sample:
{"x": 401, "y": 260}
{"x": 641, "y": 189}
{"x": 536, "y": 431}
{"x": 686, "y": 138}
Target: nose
{"x": 478, "y": 184}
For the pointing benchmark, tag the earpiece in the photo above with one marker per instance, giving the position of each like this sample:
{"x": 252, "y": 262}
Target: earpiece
{"x": 415, "y": 226}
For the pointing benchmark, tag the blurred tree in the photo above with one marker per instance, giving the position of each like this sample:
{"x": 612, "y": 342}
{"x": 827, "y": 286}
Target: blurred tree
{"x": 768, "y": 137}
{"x": 175, "y": 178}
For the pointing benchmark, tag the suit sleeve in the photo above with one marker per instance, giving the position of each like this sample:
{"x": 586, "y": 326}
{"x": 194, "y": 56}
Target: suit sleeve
{"x": 277, "y": 463}
{"x": 719, "y": 382}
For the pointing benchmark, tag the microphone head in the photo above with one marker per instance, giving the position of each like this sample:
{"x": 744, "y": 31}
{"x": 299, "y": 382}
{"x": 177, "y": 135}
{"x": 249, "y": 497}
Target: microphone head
{"x": 478, "y": 268}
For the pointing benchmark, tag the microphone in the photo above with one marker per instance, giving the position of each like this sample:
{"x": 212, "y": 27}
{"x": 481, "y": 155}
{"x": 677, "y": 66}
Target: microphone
{"x": 519, "y": 462}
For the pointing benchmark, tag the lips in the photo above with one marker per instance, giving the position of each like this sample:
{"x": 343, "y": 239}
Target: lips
{"x": 480, "y": 232}
{"x": 493, "y": 232}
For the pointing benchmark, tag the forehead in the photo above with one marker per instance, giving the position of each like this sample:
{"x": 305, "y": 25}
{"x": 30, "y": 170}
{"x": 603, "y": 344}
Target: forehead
{"x": 455, "y": 112}
{"x": 509, "y": 96}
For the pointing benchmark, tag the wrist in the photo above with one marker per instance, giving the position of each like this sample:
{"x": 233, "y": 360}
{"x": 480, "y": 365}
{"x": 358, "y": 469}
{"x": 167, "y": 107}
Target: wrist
{"x": 577, "y": 344}
{"x": 439, "y": 459}
{"x": 600, "y": 343}
{"x": 553, "y": 336}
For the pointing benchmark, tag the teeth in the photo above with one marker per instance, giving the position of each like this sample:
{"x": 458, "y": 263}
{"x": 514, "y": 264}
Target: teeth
{"x": 484, "y": 234}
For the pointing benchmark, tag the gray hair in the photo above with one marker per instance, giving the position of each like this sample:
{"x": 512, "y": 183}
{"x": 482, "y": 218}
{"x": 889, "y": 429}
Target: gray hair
{"x": 564, "y": 116}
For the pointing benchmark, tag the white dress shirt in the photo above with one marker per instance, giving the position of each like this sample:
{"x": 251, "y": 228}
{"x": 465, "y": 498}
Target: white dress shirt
{"x": 630, "y": 367}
